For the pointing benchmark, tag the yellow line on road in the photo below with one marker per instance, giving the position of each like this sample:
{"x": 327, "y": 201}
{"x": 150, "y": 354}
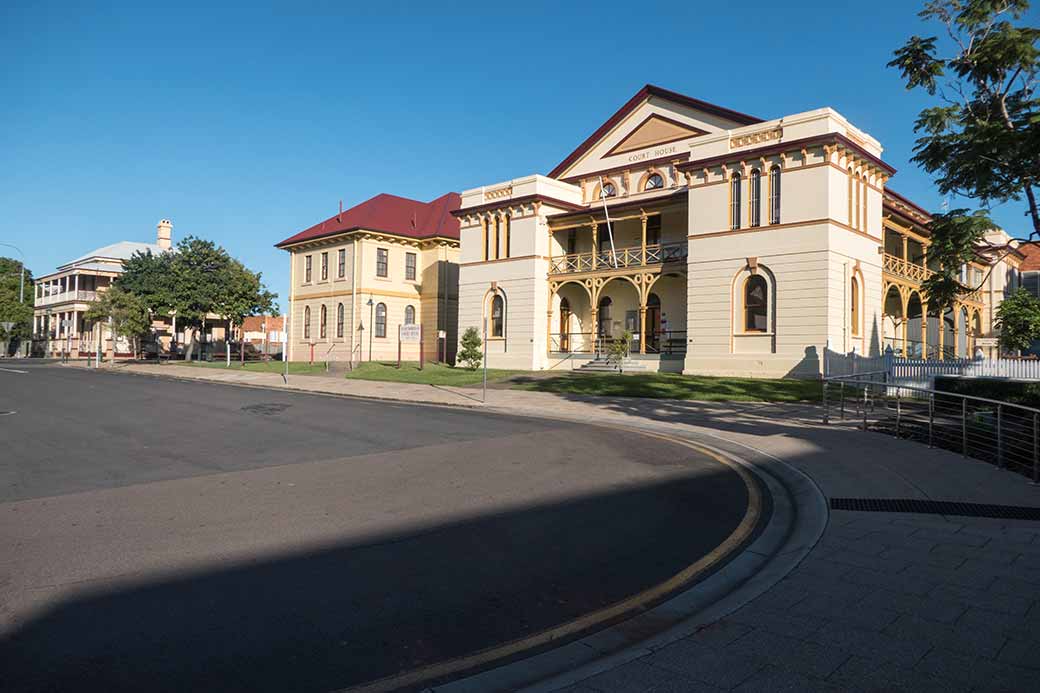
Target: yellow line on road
{"x": 629, "y": 606}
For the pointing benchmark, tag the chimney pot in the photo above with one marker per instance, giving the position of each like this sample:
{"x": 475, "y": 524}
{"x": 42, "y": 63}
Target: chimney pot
{"x": 164, "y": 234}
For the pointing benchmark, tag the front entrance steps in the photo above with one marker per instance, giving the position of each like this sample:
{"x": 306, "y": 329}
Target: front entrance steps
{"x": 600, "y": 364}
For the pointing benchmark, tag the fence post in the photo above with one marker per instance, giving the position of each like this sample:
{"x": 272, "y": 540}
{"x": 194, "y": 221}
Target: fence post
{"x": 1036, "y": 448}
{"x": 1000, "y": 436}
{"x": 964, "y": 427}
{"x": 842, "y": 400}
{"x": 899, "y": 412}
{"x": 931, "y": 416}
{"x": 865, "y": 388}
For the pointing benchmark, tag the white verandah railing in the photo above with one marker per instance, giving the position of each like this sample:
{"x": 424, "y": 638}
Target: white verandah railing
{"x": 922, "y": 372}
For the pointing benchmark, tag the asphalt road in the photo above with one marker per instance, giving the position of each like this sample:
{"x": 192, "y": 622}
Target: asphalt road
{"x": 169, "y": 535}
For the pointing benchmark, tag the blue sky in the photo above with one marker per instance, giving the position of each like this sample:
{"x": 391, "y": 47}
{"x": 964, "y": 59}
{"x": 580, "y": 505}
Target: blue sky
{"x": 246, "y": 124}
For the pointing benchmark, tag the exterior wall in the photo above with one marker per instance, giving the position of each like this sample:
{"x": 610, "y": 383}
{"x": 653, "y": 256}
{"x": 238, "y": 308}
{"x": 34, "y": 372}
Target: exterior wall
{"x": 360, "y": 284}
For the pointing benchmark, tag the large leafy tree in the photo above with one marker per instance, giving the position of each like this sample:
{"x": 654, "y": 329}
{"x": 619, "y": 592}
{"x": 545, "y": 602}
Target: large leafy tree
{"x": 1018, "y": 318}
{"x": 11, "y": 310}
{"x": 983, "y": 140}
{"x": 196, "y": 280}
{"x": 125, "y": 312}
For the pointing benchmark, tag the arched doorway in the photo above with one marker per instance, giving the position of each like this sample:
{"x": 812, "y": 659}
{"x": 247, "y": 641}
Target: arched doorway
{"x": 653, "y": 324}
{"x": 894, "y": 320}
{"x": 565, "y": 325}
{"x": 605, "y": 317}
{"x": 915, "y": 326}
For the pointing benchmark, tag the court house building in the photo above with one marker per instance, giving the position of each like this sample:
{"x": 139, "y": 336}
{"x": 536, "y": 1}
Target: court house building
{"x": 725, "y": 244}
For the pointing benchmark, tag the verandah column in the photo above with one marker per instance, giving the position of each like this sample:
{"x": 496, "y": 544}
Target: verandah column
{"x": 595, "y": 244}
{"x": 595, "y": 326}
{"x": 924, "y": 330}
{"x": 642, "y": 325}
{"x": 642, "y": 218}
{"x": 906, "y": 320}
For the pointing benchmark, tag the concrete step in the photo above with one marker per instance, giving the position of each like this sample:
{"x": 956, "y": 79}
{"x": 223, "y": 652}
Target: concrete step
{"x": 604, "y": 366}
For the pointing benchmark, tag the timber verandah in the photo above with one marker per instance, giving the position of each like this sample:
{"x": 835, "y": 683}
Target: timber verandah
{"x": 660, "y": 253}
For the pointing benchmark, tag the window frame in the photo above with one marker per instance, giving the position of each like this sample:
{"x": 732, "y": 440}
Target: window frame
{"x": 755, "y": 198}
{"x": 603, "y": 190}
{"x": 735, "y": 217}
{"x": 410, "y": 260}
{"x": 379, "y": 328}
{"x": 854, "y": 313}
{"x": 306, "y": 322}
{"x": 340, "y": 319}
{"x": 745, "y": 314}
{"x": 325, "y": 266}
{"x": 774, "y": 195}
{"x": 308, "y": 268}
{"x": 323, "y": 322}
{"x": 409, "y": 314}
{"x": 383, "y": 263}
{"x": 500, "y": 332}
{"x": 652, "y": 175}
{"x": 341, "y": 261}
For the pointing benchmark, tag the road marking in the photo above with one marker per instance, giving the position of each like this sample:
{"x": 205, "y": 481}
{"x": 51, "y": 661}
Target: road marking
{"x": 13, "y": 370}
{"x": 7, "y": 413}
{"x": 624, "y": 608}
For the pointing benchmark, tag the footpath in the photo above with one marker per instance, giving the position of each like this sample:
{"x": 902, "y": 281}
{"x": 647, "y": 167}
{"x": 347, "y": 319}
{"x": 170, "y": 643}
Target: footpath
{"x": 883, "y": 602}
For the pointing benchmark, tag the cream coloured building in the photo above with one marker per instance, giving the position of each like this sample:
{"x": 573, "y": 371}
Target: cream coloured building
{"x": 360, "y": 275}
{"x": 726, "y": 244}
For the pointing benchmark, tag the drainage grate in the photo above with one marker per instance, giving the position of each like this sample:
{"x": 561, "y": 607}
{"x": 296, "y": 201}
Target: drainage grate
{"x": 930, "y": 507}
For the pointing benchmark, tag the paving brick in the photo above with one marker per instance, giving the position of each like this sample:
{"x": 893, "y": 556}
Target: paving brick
{"x": 864, "y": 674}
{"x": 801, "y": 656}
{"x": 897, "y": 582}
{"x": 978, "y": 671}
{"x": 1017, "y": 604}
{"x": 787, "y": 624}
{"x": 917, "y": 557}
{"x": 973, "y": 639}
{"x": 1022, "y": 653}
{"x": 951, "y": 537}
{"x": 641, "y": 676}
{"x": 973, "y": 577}
{"x": 776, "y": 680}
{"x": 939, "y": 610}
{"x": 720, "y": 633}
{"x": 726, "y": 668}
{"x": 881, "y": 646}
{"x": 874, "y": 562}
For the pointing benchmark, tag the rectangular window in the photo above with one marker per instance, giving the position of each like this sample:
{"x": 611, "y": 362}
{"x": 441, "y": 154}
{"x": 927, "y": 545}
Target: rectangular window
{"x": 342, "y": 258}
{"x": 324, "y": 266}
{"x": 734, "y": 202}
{"x": 774, "y": 195}
{"x": 505, "y": 222}
{"x": 653, "y": 230}
{"x": 755, "y": 199}
{"x": 307, "y": 268}
{"x": 409, "y": 266}
{"x": 572, "y": 241}
{"x": 382, "y": 262}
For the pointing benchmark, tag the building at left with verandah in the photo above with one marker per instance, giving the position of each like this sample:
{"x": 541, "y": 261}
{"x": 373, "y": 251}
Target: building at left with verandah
{"x": 357, "y": 277}
{"x": 63, "y": 296}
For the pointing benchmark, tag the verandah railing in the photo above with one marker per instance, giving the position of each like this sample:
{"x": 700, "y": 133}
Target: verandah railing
{"x": 619, "y": 257}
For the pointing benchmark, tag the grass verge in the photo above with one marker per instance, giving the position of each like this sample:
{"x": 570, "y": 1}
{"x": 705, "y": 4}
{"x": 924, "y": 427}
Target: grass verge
{"x": 431, "y": 374}
{"x": 297, "y": 367}
{"x": 676, "y": 386}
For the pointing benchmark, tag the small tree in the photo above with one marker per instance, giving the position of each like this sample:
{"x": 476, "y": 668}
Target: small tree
{"x": 128, "y": 313}
{"x": 1018, "y": 318}
{"x": 618, "y": 349}
{"x": 470, "y": 355}
{"x": 982, "y": 141}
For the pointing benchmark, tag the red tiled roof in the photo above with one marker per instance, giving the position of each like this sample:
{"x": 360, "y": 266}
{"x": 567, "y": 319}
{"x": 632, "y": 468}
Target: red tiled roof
{"x": 1032, "y": 253}
{"x": 390, "y": 214}
{"x": 643, "y": 94}
{"x": 255, "y": 323}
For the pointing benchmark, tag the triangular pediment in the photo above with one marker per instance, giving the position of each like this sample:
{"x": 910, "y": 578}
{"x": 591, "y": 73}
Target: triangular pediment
{"x": 656, "y": 129}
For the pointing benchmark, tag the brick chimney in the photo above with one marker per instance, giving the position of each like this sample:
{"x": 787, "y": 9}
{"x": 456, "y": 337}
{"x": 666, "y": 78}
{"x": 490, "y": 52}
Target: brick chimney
{"x": 165, "y": 234}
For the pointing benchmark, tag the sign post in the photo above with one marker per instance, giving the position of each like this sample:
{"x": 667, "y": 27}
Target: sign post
{"x": 409, "y": 334}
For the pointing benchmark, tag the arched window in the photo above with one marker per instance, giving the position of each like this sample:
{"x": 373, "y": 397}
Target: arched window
{"x": 498, "y": 310}
{"x": 755, "y": 199}
{"x": 409, "y": 315}
{"x": 608, "y": 190}
{"x": 734, "y": 201}
{"x": 380, "y": 319}
{"x": 339, "y": 321}
{"x": 863, "y": 200}
{"x": 774, "y": 195}
{"x": 654, "y": 182}
{"x": 321, "y": 322}
{"x": 756, "y": 304}
{"x": 307, "y": 322}
{"x": 854, "y": 308}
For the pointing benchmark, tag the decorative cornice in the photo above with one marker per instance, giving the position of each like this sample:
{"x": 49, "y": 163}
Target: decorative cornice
{"x": 514, "y": 201}
{"x": 830, "y": 138}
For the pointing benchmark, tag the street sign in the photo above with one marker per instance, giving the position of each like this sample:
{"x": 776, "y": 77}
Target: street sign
{"x": 410, "y": 334}
{"x": 987, "y": 341}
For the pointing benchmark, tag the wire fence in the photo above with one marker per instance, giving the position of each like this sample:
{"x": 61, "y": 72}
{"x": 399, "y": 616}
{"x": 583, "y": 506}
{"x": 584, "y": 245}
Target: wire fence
{"x": 1001, "y": 433}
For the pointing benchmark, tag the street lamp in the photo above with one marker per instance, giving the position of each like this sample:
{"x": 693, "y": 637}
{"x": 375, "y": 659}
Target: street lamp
{"x": 21, "y": 283}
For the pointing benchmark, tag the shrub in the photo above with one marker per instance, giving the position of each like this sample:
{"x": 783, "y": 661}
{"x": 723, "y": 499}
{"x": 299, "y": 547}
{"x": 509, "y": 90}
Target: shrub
{"x": 470, "y": 354}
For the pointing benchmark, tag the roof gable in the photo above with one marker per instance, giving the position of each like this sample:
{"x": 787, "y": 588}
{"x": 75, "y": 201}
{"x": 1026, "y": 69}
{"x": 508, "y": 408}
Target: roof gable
{"x": 684, "y": 113}
{"x": 390, "y": 214}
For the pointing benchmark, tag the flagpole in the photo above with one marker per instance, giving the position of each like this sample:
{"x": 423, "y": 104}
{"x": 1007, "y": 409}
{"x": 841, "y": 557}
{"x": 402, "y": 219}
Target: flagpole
{"x": 606, "y": 214}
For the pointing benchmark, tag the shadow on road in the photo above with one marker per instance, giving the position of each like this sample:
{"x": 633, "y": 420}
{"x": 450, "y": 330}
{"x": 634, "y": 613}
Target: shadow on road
{"x": 345, "y": 614}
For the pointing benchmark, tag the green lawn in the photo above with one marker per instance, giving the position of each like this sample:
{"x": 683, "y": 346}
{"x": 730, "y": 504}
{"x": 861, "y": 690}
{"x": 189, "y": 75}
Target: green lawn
{"x": 675, "y": 386}
{"x": 431, "y": 374}
{"x": 297, "y": 367}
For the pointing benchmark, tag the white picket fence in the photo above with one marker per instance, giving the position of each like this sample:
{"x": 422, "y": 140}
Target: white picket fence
{"x": 922, "y": 372}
